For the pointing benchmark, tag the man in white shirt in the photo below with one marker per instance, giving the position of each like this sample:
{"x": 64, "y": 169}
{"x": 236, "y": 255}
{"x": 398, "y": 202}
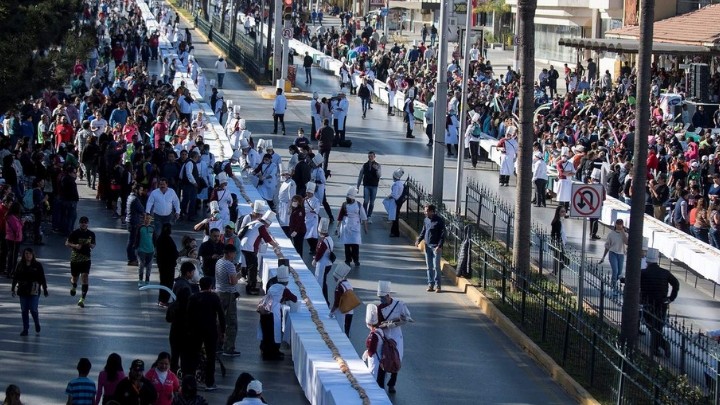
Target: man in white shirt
{"x": 163, "y": 204}
{"x": 279, "y": 107}
{"x": 221, "y": 66}
{"x": 474, "y": 53}
{"x": 98, "y": 125}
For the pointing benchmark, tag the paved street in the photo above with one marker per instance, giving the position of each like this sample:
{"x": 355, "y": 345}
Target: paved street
{"x": 449, "y": 332}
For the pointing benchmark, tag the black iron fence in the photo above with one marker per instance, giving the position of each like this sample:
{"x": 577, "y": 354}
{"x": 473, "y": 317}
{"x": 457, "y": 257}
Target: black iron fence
{"x": 678, "y": 365}
{"x": 244, "y": 50}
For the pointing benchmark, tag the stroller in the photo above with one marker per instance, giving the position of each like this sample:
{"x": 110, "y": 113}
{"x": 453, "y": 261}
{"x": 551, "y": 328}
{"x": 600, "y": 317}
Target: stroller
{"x": 200, "y": 371}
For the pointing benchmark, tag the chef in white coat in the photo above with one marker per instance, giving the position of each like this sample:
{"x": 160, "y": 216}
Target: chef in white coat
{"x": 321, "y": 260}
{"x": 285, "y": 194}
{"x": 374, "y": 342}
{"x": 200, "y": 82}
{"x": 267, "y": 178}
{"x": 270, "y": 328}
{"x": 317, "y": 176}
{"x": 234, "y": 128}
{"x": 340, "y": 111}
{"x": 566, "y": 172}
{"x": 224, "y": 196}
{"x": 342, "y": 286}
{"x": 312, "y": 208}
{"x": 392, "y": 314}
{"x": 352, "y": 219}
{"x": 509, "y": 150}
{"x": 249, "y": 158}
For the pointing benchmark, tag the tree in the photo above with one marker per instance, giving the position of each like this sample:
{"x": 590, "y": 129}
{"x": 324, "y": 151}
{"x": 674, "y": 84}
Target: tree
{"x": 521, "y": 236}
{"x": 40, "y": 41}
{"x": 631, "y": 302}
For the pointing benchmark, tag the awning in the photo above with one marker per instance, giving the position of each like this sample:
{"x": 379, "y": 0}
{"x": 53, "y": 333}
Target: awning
{"x": 632, "y": 46}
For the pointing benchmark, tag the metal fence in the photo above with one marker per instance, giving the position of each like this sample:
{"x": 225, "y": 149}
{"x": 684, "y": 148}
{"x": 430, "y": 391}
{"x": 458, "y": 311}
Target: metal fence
{"x": 544, "y": 304}
{"x": 244, "y": 50}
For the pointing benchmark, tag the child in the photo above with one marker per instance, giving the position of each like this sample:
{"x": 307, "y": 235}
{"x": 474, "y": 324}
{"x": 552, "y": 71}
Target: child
{"x": 343, "y": 288}
{"x": 374, "y": 341}
{"x": 301, "y": 141}
{"x": 81, "y": 390}
{"x": 145, "y": 250}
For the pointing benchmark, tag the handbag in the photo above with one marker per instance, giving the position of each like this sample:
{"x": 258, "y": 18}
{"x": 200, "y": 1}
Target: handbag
{"x": 348, "y": 301}
{"x": 265, "y": 305}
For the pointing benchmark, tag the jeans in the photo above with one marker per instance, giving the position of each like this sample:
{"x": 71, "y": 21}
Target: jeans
{"x": 159, "y": 221}
{"x": 474, "y": 152}
{"x": 187, "y": 205}
{"x": 29, "y": 303}
{"x": 434, "y": 272}
{"x": 144, "y": 265}
{"x": 369, "y": 194}
{"x": 229, "y": 306}
{"x": 221, "y": 78}
{"x": 616, "y": 264}
{"x": 715, "y": 238}
{"x": 130, "y": 247}
{"x": 365, "y": 104}
{"x": 308, "y": 75}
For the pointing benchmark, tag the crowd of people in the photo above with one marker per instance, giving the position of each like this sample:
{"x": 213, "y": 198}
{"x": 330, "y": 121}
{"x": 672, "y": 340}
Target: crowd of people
{"x": 132, "y": 138}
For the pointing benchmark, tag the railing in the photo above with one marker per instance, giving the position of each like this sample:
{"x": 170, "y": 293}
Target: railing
{"x": 544, "y": 304}
{"x": 244, "y": 51}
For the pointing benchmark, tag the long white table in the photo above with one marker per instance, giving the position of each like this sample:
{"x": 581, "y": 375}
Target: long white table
{"x": 672, "y": 243}
{"x": 317, "y": 371}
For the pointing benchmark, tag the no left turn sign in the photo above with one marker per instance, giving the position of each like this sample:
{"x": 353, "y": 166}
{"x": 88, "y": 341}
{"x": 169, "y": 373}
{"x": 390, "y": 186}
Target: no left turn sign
{"x": 587, "y": 200}
{"x": 287, "y": 33}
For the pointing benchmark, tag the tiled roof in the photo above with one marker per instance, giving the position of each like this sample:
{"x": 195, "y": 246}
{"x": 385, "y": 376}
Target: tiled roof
{"x": 700, "y": 27}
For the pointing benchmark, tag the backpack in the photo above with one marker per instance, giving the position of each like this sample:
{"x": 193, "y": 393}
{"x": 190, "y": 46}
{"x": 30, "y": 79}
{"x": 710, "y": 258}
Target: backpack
{"x": 477, "y": 131}
{"x": 390, "y": 359}
{"x": 27, "y": 201}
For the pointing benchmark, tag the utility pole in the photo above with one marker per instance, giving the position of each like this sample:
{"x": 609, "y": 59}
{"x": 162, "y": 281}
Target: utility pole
{"x": 277, "y": 40}
{"x": 463, "y": 113}
{"x": 438, "y": 164}
{"x": 287, "y": 27}
{"x": 516, "y": 41}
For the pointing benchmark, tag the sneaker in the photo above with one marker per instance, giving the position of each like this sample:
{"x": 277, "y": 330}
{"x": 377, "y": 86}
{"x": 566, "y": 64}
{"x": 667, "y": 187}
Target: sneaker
{"x": 140, "y": 283}
{"x": 437, "y": 290}
{"x": 37, "y": 329}
{"x": 369, "y": 220}
{"x": 211, "y": 387}
{"x": 162, "y": 305}
{"x": 391, "y": 389}
{"x": 430, "y": 288}
{"x": 232, "y": 353}
{"x": 24, "y": 333}
{"x": 81, "y": 303}
{"x": 73, "y": 291}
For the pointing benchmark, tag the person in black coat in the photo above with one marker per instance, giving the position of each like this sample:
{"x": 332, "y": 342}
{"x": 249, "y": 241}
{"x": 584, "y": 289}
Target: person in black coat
{"x": 179, "y": 334}
{"x": 29, "y": 278}
{"x": 204, "y": 312}
{"x": 654, "y": 282}
{"x": 558, "y": 239}
{"x": 167, "y": 255}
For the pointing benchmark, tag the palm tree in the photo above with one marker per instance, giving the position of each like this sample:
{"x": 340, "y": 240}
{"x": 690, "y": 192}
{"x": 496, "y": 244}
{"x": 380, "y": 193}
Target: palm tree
{"x": 631, "y": 303}
{"x": 521, "y": 236}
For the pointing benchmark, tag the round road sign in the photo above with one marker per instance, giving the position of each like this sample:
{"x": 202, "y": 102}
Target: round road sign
{"x": 287, "y": 33}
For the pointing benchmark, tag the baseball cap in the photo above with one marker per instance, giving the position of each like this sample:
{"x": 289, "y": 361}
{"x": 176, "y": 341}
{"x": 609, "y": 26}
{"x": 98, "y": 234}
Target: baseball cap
{"x": 137, "y": 365}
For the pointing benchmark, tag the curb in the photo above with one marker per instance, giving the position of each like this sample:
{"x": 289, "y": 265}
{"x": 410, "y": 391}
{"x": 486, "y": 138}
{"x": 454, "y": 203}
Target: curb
{"x": 557, "y": 373}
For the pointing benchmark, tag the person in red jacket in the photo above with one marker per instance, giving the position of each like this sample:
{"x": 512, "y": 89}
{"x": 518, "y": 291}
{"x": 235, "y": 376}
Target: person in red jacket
{"x": 652, "y": 161}
{"x": 160, "y": 129}
{"x": 63, "y": 132}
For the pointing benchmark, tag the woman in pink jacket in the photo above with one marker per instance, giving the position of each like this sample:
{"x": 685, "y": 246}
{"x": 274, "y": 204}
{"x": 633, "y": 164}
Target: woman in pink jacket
{"x": 165, "y": 381}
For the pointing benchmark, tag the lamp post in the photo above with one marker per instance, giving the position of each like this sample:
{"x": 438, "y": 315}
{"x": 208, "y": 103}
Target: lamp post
{"x": 438, "y": 164}
{"x": 463, "y": 111}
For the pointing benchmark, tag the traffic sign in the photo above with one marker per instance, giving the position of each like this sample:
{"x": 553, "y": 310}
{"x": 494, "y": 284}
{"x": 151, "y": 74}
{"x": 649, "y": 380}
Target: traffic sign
{"x": 460, "y": 8}
{"x": 384, "y": 12}
{"x": 587, "y": 200}
{"x": 287, "y": 33}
